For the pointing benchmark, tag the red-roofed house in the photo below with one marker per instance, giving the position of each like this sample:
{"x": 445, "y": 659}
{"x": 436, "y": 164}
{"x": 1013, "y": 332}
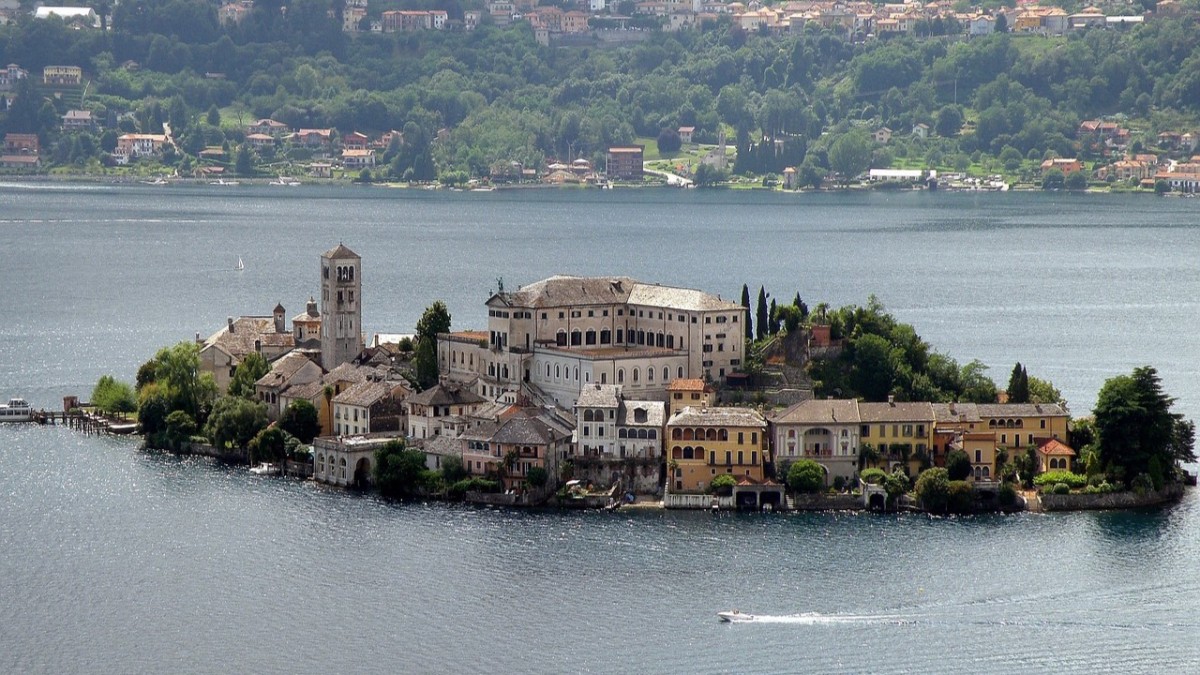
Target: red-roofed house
{"x": 1054, "y": 455}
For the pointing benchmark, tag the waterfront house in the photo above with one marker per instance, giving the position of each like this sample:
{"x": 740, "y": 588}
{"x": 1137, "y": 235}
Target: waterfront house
{"x": 293, "y": 368}
{"x": 707, "y": 442}
{"x": 136, "y": 146}
{"x": 259, "y": 141}
{"x": 618, "y": 438}
{"x": 348, "y": 461}
{"x": 443, "y": 405}
{"x": 825, "y": 431}
{"x": 1054, "y": 455}
{"x": 1066, "y": 165}
{"x": 900, "y": 432}
{"x": 508, "y": 440}
{"x": 625, "y": 162}
{"x": 983, "y": 431}
{"x": 314, "y": 138}
{"x": 354, "y": 141}
{"x": 225, "y": 349}
{"x": 358, "y": 159}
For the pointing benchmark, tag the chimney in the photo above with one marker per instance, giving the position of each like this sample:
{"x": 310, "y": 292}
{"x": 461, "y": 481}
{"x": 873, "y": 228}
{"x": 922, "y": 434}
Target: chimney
{"x": 197, "y": 337}
{"x": 891, "y": 400}
{"x": 229, "y": 322}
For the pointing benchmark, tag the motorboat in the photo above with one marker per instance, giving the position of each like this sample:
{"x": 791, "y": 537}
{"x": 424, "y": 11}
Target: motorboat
{"x": 222, "y": 181}
{"x": 285, "y": 181}
{"x": 264, "y": 469}
{"x": 734, "y": 616}
{"x": 16, "y": 410}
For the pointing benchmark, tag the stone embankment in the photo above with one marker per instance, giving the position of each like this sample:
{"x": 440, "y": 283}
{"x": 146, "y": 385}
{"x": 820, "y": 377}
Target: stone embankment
{"x": 1110, "y": 500}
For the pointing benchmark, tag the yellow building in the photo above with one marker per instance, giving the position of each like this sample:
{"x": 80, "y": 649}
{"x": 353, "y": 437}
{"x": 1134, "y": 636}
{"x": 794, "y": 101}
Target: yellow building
{"x": 984, "y": 430}
{"x": 708, "y": 442}
{"x": 902, "y": 433}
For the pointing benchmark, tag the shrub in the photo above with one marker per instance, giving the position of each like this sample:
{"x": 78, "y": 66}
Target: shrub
{"x": 806, "y": 477}
{"x": 873, "y": 476}
{"x": 839, "y": 483}
{"x": 1061, "y": 489}
{"x": 958, "y": 465}
{"x": 961, "y": 496}
{"x": 1142, "y": 484}
{"x": 1096, "y": 479}
{"x": 537, "y": 476}
{"x": 933, "y": 489}
{"x": 1073, "y": 480}
{"x": 722, "y": 484}
{"x": 462, "y": 487}
{"x": 1007, "y": 495}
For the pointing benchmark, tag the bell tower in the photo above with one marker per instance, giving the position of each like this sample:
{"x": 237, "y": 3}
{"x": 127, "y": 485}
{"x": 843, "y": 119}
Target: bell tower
{"x": 341, "y": 306}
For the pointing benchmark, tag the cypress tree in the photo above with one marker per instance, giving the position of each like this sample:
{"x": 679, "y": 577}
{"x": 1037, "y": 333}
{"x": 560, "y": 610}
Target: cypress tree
{"x": 761, "y": 316}
{"x": 1018, "y": 385}
{"x": 749, "y": 320}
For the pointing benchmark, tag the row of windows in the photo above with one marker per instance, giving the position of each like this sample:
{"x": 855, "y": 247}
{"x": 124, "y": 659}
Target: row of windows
{"x": 647, "y": 434}
{"x": 1010, "y": 424}
{"x": 579, "y": 338}
{"x": 688, "y": 452}
{"x": 710, "y": 434}
{"x": 898, "y": 430}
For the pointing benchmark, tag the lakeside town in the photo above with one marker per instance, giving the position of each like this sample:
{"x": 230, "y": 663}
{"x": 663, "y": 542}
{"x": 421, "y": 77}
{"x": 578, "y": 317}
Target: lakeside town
{"x": 603, "y": 391}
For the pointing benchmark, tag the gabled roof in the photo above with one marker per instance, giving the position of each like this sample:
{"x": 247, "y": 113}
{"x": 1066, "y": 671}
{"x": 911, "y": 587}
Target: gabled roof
{"x": 952, "y": 413}
{"x": 367, "y": 393}
{"x": 987, "y": 410}
{"x": 686, "y": 299}
{"x": 523, "y": 429}
{"x": 599, "y": 396}
{"x": 656, "y": 414}
{"x": 246, "y": 331}
{"x": 284, "y": 369}
{"x": 558, "y": 291}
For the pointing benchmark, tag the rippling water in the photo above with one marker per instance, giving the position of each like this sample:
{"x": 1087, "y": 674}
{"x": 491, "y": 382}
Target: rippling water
{"x": 115, "y": 560}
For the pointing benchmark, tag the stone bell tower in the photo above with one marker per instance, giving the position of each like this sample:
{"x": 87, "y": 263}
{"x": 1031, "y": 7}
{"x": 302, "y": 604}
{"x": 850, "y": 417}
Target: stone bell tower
{"x": 341, "y": 306}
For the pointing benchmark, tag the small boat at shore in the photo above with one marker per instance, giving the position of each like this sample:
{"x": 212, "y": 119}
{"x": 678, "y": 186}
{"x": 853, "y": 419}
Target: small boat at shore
{"x": 16, "y": 410}
{"x": 734, "y": 616}
{"x": 264, "y": 469}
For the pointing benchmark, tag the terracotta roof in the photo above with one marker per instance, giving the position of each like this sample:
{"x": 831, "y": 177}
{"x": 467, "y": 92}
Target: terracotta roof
{"x": 717, "y": 417}
{"x": 1056, "y": 447}
{"x": 284, "y": 369}
{"x": 688, "y": 384}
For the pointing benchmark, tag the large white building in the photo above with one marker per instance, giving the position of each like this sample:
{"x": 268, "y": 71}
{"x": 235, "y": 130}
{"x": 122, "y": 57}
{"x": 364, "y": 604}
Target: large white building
{"x": 563, "y": 333}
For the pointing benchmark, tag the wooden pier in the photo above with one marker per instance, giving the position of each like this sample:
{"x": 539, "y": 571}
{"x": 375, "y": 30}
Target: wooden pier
{"x": 85, "y": 421}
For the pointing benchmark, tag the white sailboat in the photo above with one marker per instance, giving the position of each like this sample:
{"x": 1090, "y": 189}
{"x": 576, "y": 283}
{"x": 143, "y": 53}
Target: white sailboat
{"x": 240, "y": 266}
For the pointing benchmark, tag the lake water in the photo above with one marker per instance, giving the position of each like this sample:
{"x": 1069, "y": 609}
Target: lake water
{"x": 116, "y": 560}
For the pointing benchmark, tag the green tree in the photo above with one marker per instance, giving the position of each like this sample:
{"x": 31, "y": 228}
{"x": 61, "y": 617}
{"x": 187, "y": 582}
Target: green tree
{"x": 111, "y": 396}
{"x": 895, "y": 485}
{"x": 1053, "y": 179}
{"x": 1161, "y": 187}
{"x": 933, "y": 489}
{"x": 749, "y": 320}
{"x": 177, "y": 371}
{"x": 234, "y": 422}
{"x": 214, "y": 116}
{"x": 253, "y": 367}
{"x": 537, "y": 476}
{"x": 1043, "y": 391}
{"x": 1076, "y": 180}
{"x": 1134, "y": 425}
{"x": 850, "y": 155}
{"x": 668, "y": 141}
{"x": 436, "y": 319}
{"x": 301, "y": 420}
{"x": 761, "y": 314}
{"x": 244, "y": 164}
{"x": 268, "y": 445}
{"x": 806, "y": 477}
{"x": 958, "y": 465}
{"x": 1018, "y": 385}
{"x": 977, "y": 387}
{"x": 453, "y": 470}
{"x": 949, "y": 121}
{"x": 398, "y": 470}
{"x": 873, "y": 367}
{"x": 179, "y": 427}
{"x": 153, "y": 409}
{"x": 723, "y": 484}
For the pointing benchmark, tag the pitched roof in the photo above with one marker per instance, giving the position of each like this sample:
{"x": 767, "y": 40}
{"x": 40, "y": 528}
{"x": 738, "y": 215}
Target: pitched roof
{"x": 717, "y": 417}
{"x": 284, "y": 369}
{"x": 688, "y": 384}
{"x": 820, "y": 411}
{"x": 523, "y": 429}
{"x": 1022, "y": 410}
{"x": 340, "y": 251}
{"x": 599, "y": 396}
{"x": 1056, "y": 447}
{"x": 896, "y": 412}
{"x": 951, "y": 413}
{"x": 686, "y": 299}
{"x": 570, "y": 290}
{"x": 246, "y": 330}
{"x": 656, "y": 414}
{"x": 446, "y": 394}
{"x": 366, "y": 393}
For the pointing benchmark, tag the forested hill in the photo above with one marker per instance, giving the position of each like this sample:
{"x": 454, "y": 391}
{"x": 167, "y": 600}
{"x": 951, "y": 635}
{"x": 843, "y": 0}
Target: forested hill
{"x": 499, "y": 96}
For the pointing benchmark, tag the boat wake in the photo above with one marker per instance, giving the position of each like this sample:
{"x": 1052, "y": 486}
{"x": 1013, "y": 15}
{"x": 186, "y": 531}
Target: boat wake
{"x": 818, "y": 619}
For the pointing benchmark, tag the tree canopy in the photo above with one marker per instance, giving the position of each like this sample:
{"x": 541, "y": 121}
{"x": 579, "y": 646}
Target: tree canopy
{"x": 436, "y": 319}
{"x": 1136, "y": 432}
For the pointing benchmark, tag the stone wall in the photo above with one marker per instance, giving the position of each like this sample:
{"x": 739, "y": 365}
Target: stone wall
{"x": 236, "y": 456}
{"x": 826, "y": 502}
{"x": 1110, "y": 500}
{"x": 637, "y": 476}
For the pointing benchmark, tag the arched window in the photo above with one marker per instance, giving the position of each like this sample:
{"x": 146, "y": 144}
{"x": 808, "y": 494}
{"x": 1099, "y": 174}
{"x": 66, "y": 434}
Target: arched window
{"x": 687, "y": 452}
{"x": 986, "y": 472}
{"x": 666, "y": 374}
{"x": 689, "y": 434}
{"x": 620, "y": 433}
{"x": 710, "y": 435}
{"x": 978, "y": 473}
{"x": 587, "y": 416}
{"x": 723, "y": 435}
{"x": 505, "y": 371}
{"x": 653, "y": 435}
{"x": 576, "y": 338}
{"x": 680, "y": 376}
{"x": 649, "y": 374}
{"x": 660, "y": 341}
{"x": 635, "y": 376}
{"x": 677, "y": 434}
{"x": 590, "y": 337}
{"x": 670, "y": 341}
{"x": 605, "y": 336}
{"x": 560, "y": 338}
{"x": 547, "y": 371}
{"x": 557, "y": 372}
{"x": 620, "y": 376}
{"x": 641, "y": 433}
